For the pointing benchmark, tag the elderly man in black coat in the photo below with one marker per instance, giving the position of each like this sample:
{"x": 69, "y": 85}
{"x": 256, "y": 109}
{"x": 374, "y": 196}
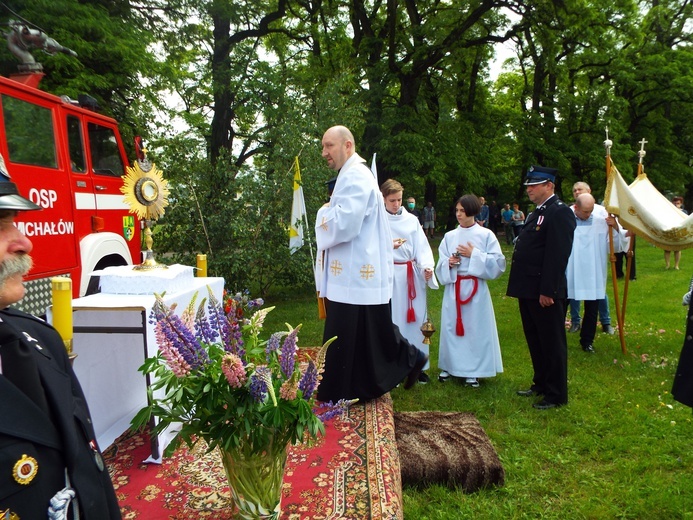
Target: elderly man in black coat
{"x": 50, "y": 463}
{"x": 537, "y": 279}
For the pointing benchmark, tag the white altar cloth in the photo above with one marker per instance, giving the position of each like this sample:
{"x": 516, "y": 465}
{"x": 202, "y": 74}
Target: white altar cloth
{"x": 123, "y": 279}
{"x": 112, "y": 336}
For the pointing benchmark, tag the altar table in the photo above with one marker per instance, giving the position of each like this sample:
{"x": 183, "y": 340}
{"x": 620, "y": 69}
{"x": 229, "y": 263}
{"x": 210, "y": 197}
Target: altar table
{"x": 112, "y": 338}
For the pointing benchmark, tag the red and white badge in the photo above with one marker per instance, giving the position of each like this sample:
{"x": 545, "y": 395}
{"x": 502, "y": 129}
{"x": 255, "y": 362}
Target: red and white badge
{"x": 25, "y": 469}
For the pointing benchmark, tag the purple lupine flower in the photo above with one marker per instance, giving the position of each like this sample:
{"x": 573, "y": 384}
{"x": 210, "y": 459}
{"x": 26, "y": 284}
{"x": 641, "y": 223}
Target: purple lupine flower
{"x": 234, "y": 370}
{"x": 287, "y": 355}
{"x": 333, "y": 410}
{"x": 217, "y": 318}
{"x": 179, "y": 336}
{"x": 309, "y": 381}
{"x": 257, "y": 302}
{"x": 203, "y": 329}
{"x": 174, "y": 360}
{"x": 258, "y": 384}
{"x": 273, "y": 344}
{"x": 235, "y": 339}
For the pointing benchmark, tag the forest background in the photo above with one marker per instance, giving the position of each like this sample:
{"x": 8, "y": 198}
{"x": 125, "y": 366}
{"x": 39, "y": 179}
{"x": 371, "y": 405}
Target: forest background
{"x": 227, "y": 93}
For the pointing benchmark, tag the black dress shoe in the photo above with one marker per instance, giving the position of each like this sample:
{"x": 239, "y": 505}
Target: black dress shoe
{"x": 413, "y": 376}
{"x": 588, "y": 348}
{"x": 528, "y": 393}
{"x": 545, "y": 405}
{"x": 574, "y": 327}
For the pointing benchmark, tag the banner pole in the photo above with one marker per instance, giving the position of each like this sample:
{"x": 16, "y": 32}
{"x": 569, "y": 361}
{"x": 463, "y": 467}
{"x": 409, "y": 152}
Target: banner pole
{"x": 612, "y": 256}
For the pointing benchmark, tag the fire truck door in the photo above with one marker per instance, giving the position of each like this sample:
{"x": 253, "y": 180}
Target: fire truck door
{"x": 32, "y": 157}
{"x": 108, "y": 167}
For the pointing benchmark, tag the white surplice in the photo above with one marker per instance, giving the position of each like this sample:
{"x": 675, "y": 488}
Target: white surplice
{"x": 352, "y": 231}
{"x": 477, "y": 353}
{"x": 586, "y": 271}
{"x": 416, "y": 249}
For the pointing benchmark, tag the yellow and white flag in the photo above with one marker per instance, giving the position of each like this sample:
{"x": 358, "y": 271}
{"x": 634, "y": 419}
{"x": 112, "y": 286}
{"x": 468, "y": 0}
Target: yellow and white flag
{"x": 298, "y": 212}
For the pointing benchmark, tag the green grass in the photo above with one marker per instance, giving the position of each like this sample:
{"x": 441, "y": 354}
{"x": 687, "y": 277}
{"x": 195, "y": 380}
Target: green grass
{"x": 621, "y": 448}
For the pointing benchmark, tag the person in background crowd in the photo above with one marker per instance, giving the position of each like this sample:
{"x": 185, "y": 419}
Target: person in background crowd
{"x": 518, "y": 220}
{"x": 586, "y": 272}
{"x": 678, "y": 202}
{"x": 49, "y": 458}
{"x": 507, "y": 219}
{"x": 603, "y": 304}
{"x": 429, "y": 219}
{"x": 494, "y": 211}
{"x": 537, "y": 279}
{"x": 482, "y": 217}
{"x": 411, "y": 208}
{"x": 414, "y": 265}
{"x": 467, "y": 257}
{"x": 369, "y": 357}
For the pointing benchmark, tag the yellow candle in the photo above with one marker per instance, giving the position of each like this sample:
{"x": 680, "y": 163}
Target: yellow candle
{"x": 61, "y": 289}
{"x": 202, "y": 265}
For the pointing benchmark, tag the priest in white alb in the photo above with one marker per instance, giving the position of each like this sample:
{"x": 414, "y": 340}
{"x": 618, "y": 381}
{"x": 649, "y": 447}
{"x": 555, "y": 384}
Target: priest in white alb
{"x": 370, "y": 357}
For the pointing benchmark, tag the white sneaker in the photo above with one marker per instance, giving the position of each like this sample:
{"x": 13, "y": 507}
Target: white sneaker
{"x": 472, "y": 381}
{"x": 444, "y": 376}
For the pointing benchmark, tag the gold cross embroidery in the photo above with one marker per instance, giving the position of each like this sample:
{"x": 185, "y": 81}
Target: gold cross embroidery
{"x": 336, "y": 267}
{"x": 367, "y": 272}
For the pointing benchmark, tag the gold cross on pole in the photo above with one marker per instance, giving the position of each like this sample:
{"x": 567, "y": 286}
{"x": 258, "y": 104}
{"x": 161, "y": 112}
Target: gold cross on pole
{"x": 642, "y": 152}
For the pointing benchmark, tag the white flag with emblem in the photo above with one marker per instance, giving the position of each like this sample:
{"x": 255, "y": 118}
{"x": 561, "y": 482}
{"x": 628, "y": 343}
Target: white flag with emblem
{"x": 298, "y": 212}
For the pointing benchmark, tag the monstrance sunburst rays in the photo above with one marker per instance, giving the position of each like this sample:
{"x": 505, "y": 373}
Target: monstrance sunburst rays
{"x": 146, "y": 192}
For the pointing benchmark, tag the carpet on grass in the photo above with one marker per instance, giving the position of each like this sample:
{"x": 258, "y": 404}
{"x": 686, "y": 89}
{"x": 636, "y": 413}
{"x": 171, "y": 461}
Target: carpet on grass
{"x": 449, "y": 448}
{"x": 351, "y": 472}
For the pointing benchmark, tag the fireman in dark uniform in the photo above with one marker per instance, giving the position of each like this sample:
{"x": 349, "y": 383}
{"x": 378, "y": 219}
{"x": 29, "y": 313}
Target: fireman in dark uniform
{"x": 537, "y": 279}
{"x": 50, "y": 465}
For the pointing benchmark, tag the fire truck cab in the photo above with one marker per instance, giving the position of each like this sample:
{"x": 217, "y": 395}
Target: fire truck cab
{"x": 70, "y": 160}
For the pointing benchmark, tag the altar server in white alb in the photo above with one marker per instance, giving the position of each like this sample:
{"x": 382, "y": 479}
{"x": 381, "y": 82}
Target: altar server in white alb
{"x": 586, "y": 271}
{"x": 414, "y": 264}
{"x": 467, "y": 257}
{"x": 370, "y": 357}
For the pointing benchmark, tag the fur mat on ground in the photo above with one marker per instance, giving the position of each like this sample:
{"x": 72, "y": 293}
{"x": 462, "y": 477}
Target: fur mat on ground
{"x": 449, "y": 448}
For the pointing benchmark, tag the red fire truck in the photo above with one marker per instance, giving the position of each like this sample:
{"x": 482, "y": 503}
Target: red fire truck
{"x": 69, "y": 159}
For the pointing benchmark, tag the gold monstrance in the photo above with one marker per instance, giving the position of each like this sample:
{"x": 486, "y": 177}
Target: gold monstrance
{"x": 146, "y": 192}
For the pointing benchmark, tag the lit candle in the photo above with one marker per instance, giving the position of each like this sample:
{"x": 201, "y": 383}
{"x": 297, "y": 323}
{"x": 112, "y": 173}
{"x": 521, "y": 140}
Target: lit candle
{"x": 61, "y": 289}
{"x": 202, "y": 266}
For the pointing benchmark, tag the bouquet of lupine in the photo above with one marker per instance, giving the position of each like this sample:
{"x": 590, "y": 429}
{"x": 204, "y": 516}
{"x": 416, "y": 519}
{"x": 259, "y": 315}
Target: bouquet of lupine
{"x": 226, "y": 385}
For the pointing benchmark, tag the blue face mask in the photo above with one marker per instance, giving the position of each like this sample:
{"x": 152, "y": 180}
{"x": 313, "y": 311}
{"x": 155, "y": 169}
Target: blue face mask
{"x": 410, "y": 205}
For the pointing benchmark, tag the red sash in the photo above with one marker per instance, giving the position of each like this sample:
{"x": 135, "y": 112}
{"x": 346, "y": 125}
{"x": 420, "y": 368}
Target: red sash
{"x": 411, "y": 290}
{"x": 460, "y": 302}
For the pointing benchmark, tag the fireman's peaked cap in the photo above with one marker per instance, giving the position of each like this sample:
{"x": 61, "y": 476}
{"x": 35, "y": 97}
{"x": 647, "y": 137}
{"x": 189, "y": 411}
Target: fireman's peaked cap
{"x": 9, "y": 194}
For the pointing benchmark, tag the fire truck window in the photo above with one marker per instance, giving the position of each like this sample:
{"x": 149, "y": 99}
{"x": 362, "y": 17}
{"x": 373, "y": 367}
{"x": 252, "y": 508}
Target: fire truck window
{"x": 105, "y": 155}
{"x": 30, "y": 136}
{"x": 74, "y": 137}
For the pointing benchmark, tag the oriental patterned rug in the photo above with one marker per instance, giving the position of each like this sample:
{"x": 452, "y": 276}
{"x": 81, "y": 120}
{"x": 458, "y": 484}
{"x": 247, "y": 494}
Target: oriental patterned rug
{"x": 351, "y": 472}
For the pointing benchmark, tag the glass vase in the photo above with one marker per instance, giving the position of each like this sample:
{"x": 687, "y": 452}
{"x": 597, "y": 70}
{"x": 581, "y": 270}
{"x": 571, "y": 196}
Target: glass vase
{"x": 255, "y": 479}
